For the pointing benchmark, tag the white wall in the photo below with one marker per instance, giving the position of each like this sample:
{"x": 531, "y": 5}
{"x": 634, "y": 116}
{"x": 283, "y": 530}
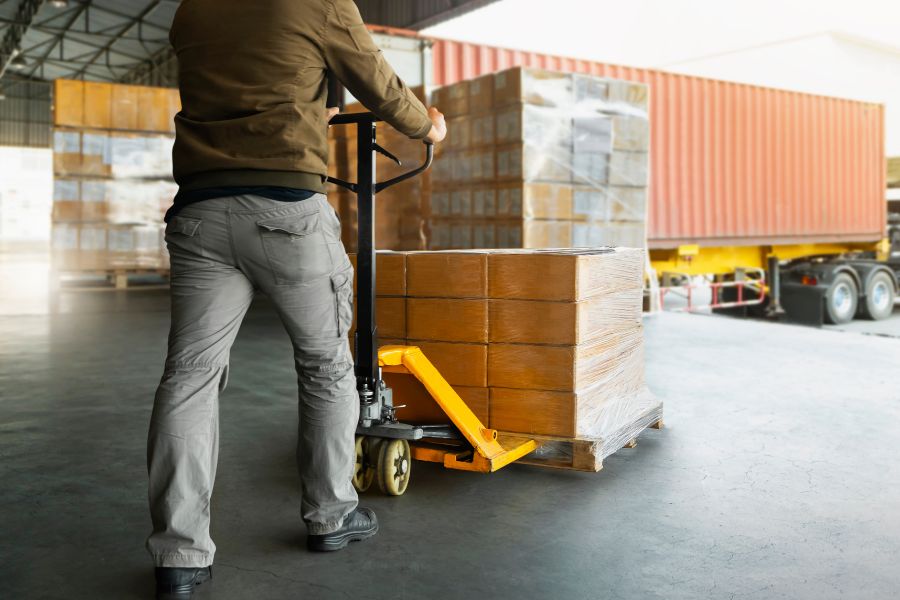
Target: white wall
{"x": 26, "y": 193}
{"x": 829, "y": 64}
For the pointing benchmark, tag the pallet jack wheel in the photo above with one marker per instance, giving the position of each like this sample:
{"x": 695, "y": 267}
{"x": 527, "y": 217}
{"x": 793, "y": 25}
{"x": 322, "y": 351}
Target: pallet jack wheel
{"x": 364, "y": 472}
{"x": 394, "y": 466}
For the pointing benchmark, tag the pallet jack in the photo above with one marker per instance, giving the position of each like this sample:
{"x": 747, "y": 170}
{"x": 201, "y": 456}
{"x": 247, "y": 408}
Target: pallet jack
{"x": 385, "y": 446}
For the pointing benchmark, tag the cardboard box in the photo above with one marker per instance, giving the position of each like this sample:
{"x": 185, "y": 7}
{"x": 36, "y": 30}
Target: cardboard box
{"x": 482, "y": 130}
{"x": 632, "y": 133}
{"x": 68, "y": 103}
{"x": 452, "y": 100}
{"x": 390, "y": 273}
{"x": 564, "y": 275}
{"x": 125, "y": 107}
{"x": 562, "y": 323}
{"x": 628, "y": 169}
{"x": 66, "y": 152}
{"x": 568, "y": 368}
{"x": 484, "y": 203}
{"x": 447, "y": 320}
{"x": 521, "y": 162}
{"x": 546, "y": 234}
{"x": 390, "y": 317}
{"x": 631, "y": 234}
{"x": 533, "y": 86}
{"x": 629, "y": 94}
{"x": 481, "y": 94}
{"x": 98, "y": 104}
{"x": 421, "y": 407}
{"x": 534, "y": 200}
{"x": 447, "y": 274}
{"x": 459, "y": 364}
{"x": 94, "y": 200}
{"x": 536, "y": 412}
{"x": 96, "y": 153}
{"x": 459, "y": 134}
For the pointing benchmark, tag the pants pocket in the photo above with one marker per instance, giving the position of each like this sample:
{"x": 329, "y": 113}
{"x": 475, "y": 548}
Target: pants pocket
{"x": 342, "y": 284}
{"x": 295, "y": 248}
{"x": 184, "y": 241}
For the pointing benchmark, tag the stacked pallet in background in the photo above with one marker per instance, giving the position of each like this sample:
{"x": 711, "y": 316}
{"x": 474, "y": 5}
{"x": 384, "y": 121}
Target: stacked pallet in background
{"x": 112, "y": 176}
{"x": 539, "y": 343}
{"x": 400, "y": 216}
{"x": 538, "y": 159}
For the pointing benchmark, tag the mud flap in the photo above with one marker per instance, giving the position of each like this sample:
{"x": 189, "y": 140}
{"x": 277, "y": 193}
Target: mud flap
{"x": 803, "y": 304}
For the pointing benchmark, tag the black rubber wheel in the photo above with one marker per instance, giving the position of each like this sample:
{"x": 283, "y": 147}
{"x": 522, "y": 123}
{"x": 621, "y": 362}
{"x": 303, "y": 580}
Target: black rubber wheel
{"x": 841, "y": 300}
{"x": 879, "y": 304}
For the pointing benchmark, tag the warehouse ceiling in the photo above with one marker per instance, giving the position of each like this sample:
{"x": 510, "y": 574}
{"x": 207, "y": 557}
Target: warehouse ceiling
{"x": 127, "y": 40}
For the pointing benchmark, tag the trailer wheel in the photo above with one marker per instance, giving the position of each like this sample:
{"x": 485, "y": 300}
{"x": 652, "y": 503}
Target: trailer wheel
{"x": 879, "y": 302}
{"x": 841, "y": 300}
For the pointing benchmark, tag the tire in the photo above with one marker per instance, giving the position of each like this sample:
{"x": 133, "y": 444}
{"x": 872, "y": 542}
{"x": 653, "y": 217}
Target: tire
{"x": 841, "y": 300}
{"x": 364, "y": 470}
{"x": 879, "y": 304}
{"x": 394, "y": 465}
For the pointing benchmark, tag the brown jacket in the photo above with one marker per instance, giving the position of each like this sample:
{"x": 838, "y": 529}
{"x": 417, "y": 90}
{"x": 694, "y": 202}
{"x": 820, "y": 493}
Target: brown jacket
{"x": 253, "y": 89}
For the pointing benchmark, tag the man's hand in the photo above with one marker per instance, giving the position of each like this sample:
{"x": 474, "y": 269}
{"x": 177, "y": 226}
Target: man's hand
{"x": 330, "y": 113}
{"x": 438, "y": 126}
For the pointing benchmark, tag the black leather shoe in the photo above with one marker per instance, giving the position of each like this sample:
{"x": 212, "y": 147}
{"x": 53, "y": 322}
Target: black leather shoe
{"x": 359, "y": 525}
{"x": 179, "y": 584}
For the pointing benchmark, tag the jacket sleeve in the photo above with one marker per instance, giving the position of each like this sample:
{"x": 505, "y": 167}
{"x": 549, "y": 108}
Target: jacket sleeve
{"x": 356, "y": 61}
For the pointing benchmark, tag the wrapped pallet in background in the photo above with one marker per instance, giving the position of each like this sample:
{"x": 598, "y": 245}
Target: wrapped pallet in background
{"x": 400, "y": 209}
{"x": 537, "y": 159}
{"x": 113, "y": 176}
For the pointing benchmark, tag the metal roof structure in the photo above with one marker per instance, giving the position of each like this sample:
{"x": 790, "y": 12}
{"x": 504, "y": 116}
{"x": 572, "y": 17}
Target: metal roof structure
{"x": 127, "y": 40}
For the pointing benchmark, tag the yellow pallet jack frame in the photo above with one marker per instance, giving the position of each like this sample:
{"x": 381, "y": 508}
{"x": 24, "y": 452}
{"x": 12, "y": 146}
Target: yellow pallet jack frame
{"x": 384, "y": 444}
{"x": 489, "y": 455}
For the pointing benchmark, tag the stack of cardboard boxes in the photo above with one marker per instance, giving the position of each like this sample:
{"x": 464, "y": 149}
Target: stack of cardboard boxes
{"x": 539, "y": 342}
{"x": 538, "y": 159}
{"x": 112, "y": 175}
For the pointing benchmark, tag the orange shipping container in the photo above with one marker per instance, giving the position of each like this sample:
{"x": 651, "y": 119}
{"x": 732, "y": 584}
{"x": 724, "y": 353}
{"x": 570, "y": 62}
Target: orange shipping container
{"x": 734, "y": 164}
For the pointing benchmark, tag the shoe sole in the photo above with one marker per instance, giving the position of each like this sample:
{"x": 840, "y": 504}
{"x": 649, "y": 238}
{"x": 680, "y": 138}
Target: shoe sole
{"x": 340, "y": 542}
{"x": 186, "y": 593}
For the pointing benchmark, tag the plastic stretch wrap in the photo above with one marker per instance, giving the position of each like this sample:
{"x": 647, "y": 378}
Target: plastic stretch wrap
{"x": 616, "y": 423}
{"x": 112, "y": 189}
{"x": 557, "y": 160}
{"x": 554, "y": 336}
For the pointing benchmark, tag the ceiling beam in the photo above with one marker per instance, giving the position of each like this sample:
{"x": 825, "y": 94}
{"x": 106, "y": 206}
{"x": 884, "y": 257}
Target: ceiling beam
{"x": 55, "y": 40}
{"x": 13, "y": 39}
{"x": 135, "y": 21}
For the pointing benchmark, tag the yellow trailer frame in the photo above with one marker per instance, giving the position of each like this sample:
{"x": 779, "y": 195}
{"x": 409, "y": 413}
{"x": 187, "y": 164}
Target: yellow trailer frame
{"x": 721, "y": 260}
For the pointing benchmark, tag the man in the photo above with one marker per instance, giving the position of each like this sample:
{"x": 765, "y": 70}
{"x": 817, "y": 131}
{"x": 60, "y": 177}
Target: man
{"x": 250, "y": 158}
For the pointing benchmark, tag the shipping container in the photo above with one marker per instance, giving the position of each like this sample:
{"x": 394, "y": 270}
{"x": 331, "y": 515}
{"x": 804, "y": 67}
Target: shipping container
{"x": 734, "y": 164}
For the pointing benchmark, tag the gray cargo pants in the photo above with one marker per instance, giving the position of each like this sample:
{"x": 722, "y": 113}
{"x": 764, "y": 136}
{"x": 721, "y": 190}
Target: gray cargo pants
{"x": 222, "y": 251}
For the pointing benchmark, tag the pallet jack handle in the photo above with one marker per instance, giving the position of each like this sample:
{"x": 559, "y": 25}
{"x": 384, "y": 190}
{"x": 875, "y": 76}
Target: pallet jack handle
{"x": 366, "y": 118}
{"x": 365, "y": 188}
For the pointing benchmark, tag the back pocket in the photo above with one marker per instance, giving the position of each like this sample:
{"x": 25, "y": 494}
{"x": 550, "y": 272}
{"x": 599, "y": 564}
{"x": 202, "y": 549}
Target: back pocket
{"x": 295, "y": 248}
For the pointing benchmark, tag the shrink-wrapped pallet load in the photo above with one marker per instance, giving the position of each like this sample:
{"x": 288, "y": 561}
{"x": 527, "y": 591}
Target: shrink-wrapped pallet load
{"x": 543, "y": 159}
{"x": 113, "y": 176}
{"x": 546, "y": 343}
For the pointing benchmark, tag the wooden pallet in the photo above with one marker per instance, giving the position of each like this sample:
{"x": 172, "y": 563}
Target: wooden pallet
{"x": 114, "y": 278}
{"x": 583, "y": 454}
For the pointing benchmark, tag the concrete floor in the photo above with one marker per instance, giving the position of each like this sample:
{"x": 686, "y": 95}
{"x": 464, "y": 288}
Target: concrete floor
{"x": 777, "y": 476}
